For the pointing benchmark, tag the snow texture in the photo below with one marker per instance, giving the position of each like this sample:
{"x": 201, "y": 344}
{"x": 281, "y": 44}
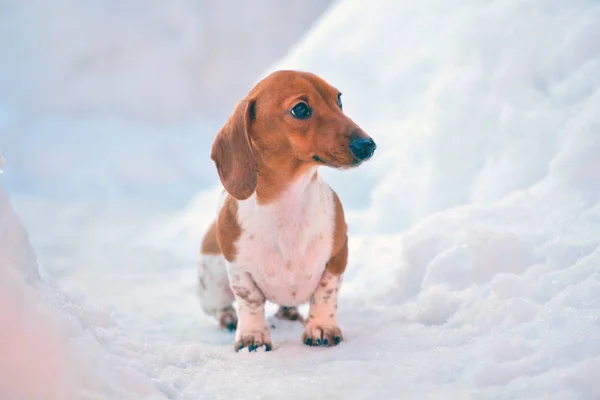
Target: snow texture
{"x": 475, "y": 230}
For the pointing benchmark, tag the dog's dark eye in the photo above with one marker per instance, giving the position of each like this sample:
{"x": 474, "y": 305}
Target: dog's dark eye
{"x": 301, "y": 111}
{"x": 340, "y": 101}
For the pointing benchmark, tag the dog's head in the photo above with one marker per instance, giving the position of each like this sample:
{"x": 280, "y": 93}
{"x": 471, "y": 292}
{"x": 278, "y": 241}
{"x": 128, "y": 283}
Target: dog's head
{"x": 290, "y": 118}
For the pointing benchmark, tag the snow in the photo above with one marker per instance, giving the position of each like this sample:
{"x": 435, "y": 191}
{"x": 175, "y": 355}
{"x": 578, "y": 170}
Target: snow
{"x": 475, "y": 230}
{"x": 161, "y": 61}
{"x": 102, "y": 94}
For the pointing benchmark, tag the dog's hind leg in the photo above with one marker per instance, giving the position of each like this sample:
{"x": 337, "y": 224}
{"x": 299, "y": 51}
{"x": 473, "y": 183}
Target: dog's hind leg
{"x": 289, "y": 313}
{"x": 214, "y": 291}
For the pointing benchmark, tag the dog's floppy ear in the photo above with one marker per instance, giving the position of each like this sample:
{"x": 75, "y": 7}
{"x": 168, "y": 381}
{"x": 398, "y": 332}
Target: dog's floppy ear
{"x": 233, "y": 154}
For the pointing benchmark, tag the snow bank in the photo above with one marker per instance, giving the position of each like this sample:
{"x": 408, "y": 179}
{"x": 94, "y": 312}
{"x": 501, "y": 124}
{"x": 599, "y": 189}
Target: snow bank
{"x": 160, "y": 61}
{"x": 31, "y": 346}
{"x": 468, "y": 101}
{"x": 505, "y": 294}
{"x": 52, "y": 347}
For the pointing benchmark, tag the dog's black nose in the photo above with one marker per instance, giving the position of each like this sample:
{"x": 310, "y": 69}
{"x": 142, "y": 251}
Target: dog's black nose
{"x": 363, "y": 149}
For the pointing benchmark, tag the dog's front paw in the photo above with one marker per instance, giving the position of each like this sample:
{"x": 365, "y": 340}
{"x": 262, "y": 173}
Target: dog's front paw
{"x": 316, "y": 334}
{"x": 252, "y": 340}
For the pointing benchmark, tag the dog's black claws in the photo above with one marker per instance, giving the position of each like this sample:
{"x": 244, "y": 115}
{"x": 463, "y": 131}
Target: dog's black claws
{"x": 231, "y": 327}
{"x": 337, "y": 340}
{"x": 325, "y": 341}
{"x": 308, "y": 342}
{"x": 318, "y": 342}
{"x": 268, "y": 347}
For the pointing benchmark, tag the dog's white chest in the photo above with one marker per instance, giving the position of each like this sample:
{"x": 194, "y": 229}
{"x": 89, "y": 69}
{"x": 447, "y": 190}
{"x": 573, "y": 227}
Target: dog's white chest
{"x": 286, "y": 244}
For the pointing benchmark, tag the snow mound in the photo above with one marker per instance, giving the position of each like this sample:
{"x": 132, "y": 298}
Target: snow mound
{"x": 31, "y": 347}
{"x": 54, "y": 347}
{"x": 468, "y": 102}
{"x": 504, "y": 293}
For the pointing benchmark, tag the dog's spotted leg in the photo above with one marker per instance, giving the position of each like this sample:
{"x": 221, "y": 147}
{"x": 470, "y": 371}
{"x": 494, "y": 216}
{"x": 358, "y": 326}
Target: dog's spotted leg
{"x": 252, "y": 331}
{"x": 216, "y": 297}
{"x": 322, "y": 327}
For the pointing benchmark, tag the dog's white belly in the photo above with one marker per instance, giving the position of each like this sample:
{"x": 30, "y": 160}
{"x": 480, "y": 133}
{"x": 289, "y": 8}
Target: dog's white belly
{"x": 286, "y": 277}
{"x": 286, "y": 245}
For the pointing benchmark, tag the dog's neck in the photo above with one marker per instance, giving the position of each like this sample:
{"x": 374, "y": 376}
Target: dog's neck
{"x": 275, "y": 178}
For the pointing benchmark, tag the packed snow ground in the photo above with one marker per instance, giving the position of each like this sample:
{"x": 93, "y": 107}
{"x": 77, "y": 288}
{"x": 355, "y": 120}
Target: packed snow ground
{"x": 475, "y": 248}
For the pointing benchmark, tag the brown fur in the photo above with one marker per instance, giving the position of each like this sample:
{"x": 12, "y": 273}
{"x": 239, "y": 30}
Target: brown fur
{"x": 339, "y": 259}
{"x": 233, "y": 155}
{"x": 337, "y": 263}
{"x": 263, "y": 148}
{"x": 228, "y": 230}
{"x": 209, "y": 243}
